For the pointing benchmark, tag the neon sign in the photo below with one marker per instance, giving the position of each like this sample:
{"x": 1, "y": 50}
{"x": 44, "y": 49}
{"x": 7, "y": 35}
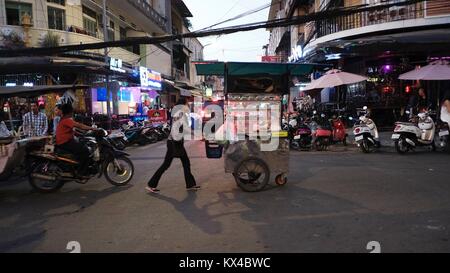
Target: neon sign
{"x": 150, "y": 78}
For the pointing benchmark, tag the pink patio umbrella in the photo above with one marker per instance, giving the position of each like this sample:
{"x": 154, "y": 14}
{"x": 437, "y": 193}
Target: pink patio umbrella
{"x": 435, "y": 71}
{"x": 335, "y": 78}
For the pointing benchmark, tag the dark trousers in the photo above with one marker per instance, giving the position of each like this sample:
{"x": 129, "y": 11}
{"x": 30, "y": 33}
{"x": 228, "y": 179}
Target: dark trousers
{"x": 80, "y": 151}
{"x": 170, "y": 155}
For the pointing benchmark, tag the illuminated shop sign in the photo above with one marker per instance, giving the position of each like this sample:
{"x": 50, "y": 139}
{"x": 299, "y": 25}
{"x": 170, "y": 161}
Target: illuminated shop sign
{"x": 150, "y": 78}
{"x": 116, "y": 65}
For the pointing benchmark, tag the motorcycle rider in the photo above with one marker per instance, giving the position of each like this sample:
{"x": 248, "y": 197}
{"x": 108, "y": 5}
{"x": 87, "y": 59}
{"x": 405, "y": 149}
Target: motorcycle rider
{"x": 418, "y": 103}
{"x": 65, "y": 138}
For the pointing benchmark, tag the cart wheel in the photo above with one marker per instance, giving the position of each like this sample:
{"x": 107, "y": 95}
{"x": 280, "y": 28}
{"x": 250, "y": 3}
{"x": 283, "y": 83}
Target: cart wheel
{"x": 281, "y": 180}
{"x": 252, "y": 175}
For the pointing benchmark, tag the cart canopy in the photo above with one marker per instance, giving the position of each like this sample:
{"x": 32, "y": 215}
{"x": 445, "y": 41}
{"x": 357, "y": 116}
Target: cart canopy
{"x": 242, "y": 69}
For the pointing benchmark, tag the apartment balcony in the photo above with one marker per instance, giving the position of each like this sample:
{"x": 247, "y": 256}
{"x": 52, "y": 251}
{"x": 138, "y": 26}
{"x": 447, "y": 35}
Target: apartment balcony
{"x": 143, "y": 13}
{"x": 73, "y": 37}
{"x": 417, "y": 26}
{"x": 148, "y": 10}
{"x": 364, "y": 19}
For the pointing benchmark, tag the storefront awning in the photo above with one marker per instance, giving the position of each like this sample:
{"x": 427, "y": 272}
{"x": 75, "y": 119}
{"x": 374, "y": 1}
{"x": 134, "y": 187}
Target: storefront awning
{"x": 24, "y": 91}
{"x": 239, "y": 69}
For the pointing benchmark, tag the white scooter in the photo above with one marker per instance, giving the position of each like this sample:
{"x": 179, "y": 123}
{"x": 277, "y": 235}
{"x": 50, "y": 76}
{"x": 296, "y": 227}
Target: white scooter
{"x": 419, "y": 132}
{"x": 366, "y": 133}
{"x": 443, "y": 137}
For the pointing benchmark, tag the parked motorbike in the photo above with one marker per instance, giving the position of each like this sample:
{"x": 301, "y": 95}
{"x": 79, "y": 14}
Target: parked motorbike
{"x": 137, "y": 135}
{"x": 56, "y": 168}
{"x": 442, "y": 138}
{"x": 419, "y": 132}
{"x": 366, "y": 133}
{"x": 302, "y": 139}
{"x": 321, "y": 132}
{"x": 117, "y": 140}
{"x": 339, "y": 131}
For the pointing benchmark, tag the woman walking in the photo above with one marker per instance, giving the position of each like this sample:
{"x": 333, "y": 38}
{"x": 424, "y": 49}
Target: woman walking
{"x": 175, "y": 149}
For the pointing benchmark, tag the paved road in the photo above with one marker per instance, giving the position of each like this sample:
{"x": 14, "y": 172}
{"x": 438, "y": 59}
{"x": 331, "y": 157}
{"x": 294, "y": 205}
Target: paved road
{"x": 335, "y": 201}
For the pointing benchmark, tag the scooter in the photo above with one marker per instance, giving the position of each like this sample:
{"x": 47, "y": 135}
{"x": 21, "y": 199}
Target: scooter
{"x": 442, "y": 136}
{"x": 339, "y": 131}
{"x": 419, "y": 132}
{"x": 302, "y": 139}
{"x": 366, "y": 133}
{"x": 321, "y": 132}
{"x": 117, "y": 140}
{"x": 136, "y": 135}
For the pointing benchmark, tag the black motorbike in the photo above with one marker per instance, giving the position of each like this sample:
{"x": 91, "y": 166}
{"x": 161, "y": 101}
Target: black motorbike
{"x": 56, "y": 168}
{"x": 137, "y": 135}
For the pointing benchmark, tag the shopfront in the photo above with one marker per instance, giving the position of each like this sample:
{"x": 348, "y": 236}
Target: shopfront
{"x": 151, "y": 87}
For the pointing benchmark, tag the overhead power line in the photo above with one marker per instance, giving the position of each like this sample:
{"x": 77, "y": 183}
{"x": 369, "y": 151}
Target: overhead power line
{"x": 327, "y": 14}
{"x": 242, "y": 15}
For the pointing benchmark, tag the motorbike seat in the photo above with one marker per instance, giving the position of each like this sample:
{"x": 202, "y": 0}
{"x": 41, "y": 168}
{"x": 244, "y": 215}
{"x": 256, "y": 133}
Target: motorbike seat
{"x": 325, "y": 127}
{"x": 405, "y": 123}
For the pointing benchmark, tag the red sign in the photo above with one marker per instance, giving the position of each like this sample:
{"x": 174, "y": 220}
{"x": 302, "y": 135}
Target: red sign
{"x": 157, "y": 115}
{"x": 270, "y": 59}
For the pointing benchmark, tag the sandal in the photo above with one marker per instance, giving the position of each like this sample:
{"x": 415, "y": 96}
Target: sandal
{"x": 194, "y": 188}
{"x": 152, "y": 190}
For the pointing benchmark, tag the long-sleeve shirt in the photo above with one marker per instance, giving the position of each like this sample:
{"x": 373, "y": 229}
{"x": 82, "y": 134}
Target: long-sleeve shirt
{"x": 35, "y": 125}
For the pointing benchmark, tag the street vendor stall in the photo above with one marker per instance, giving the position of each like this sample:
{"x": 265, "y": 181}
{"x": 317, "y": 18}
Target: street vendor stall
{"x": 255, "y": 148}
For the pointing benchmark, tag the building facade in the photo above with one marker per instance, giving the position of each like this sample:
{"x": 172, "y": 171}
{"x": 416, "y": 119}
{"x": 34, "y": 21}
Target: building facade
{"x": 49, "y": 23}
{"x": 185, "y": 52}
{"x": 381, "y": 43}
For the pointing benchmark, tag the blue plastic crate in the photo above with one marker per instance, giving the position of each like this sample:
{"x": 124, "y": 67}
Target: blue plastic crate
{"x": 213, "y": 150}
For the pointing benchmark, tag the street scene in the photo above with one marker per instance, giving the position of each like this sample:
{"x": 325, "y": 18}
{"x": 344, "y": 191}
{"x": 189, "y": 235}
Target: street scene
{"x": 277, "y": 126}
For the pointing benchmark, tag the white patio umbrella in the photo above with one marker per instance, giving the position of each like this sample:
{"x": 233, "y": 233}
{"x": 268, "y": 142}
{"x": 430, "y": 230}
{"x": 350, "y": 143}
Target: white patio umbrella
{"x": 334, "y": 78}
{"x": 435, "y": 71}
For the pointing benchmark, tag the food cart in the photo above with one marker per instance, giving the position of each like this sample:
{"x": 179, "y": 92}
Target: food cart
{"x": 256, "y": 95}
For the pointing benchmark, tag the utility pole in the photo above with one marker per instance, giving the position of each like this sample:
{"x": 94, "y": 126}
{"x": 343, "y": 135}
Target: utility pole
{"x": 108, "y": 93}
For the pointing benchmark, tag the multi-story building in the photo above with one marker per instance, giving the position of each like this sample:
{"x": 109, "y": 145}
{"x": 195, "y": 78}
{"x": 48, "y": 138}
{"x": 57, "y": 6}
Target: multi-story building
{"x": 380, "y": 43}
{"x": 48, "y": 23}
{"x": 280, "y": 37}
{"x": 185, "y": 52}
